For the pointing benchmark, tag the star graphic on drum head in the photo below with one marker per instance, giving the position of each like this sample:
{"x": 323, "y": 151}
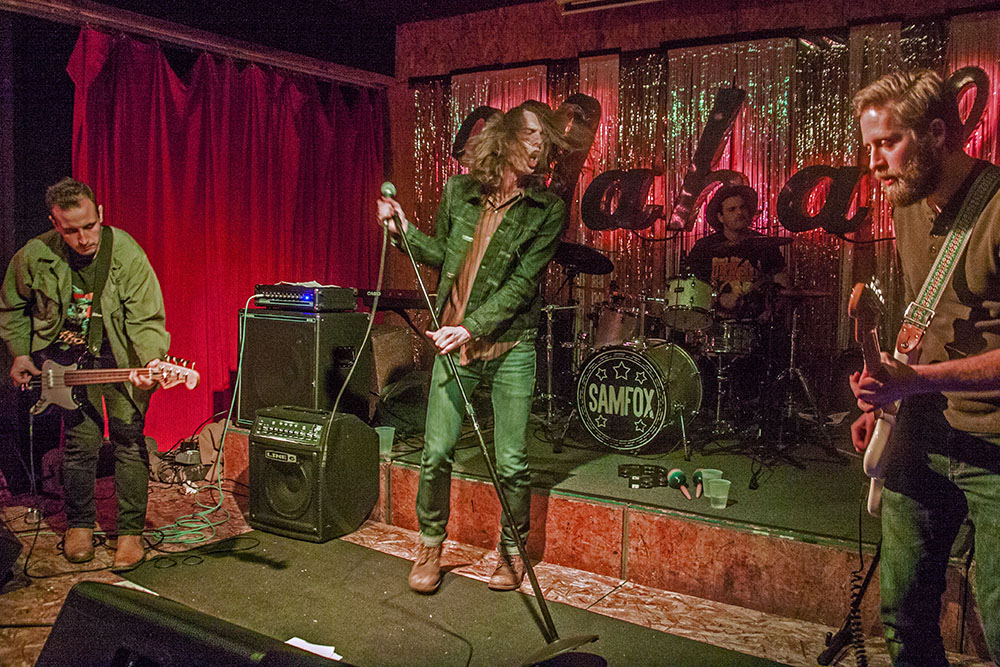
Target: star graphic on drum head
{"x": 621, "y": 371}
{"x": 640, "y": 377}
{"x": 640, "y": 425}
{"x": 601, "y": 421}
{"x": 602, "y": 374}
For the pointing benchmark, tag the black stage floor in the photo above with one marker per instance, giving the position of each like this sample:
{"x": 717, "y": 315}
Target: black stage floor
{"x": 357, "y": 600}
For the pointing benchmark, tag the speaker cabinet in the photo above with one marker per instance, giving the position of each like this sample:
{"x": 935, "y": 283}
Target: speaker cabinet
{"x": 292, "y": 358}
{"x": 309, "y": 478}
{"x": 101, "y": 624}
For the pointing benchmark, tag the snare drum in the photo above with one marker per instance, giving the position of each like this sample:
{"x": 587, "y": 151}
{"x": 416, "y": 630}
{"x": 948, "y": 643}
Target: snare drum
{"x": 627, "y": 397}
{"x": 731, "y": 337}
{"x": 687, "y": 304}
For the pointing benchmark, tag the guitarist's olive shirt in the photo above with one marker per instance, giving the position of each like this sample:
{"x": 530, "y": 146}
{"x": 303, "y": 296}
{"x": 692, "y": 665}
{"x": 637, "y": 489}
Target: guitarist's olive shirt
{"x": 38, "y": 290}
{"x": 951, "y": 334}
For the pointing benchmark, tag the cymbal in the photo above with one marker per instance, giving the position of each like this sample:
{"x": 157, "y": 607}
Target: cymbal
{"x": 793, "y": 293}
{"x": 581, "y": 259}
{"x": 761, "y": 243}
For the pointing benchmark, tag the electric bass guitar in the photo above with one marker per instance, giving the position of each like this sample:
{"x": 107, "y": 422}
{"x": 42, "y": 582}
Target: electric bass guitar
{"x": 58, "y": 381}
{"x": 866, "y": 307}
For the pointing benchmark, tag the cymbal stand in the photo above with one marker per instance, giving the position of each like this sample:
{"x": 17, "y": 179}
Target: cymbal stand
{"x": 549, "y": 395}
{"x": 554, "y": 644}
{"x": 793, "y": 374}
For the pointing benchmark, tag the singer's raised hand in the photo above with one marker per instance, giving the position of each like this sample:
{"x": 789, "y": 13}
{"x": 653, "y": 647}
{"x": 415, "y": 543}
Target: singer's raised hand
{"x": 390, "y": 214}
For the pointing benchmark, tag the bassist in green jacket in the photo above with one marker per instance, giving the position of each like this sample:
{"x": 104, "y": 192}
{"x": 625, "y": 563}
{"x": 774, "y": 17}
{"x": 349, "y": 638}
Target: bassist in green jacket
{"x": 47, "y": 305}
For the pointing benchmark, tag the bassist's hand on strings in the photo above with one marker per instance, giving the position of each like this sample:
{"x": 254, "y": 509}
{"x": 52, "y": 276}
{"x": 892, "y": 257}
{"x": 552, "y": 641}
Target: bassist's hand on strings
{"x": 22, "y": 370}
{"x": 145, "y": 379}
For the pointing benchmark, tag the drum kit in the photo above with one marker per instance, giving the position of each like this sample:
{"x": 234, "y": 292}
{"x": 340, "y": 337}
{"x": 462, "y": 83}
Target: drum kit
{"x": 630, "y": 370}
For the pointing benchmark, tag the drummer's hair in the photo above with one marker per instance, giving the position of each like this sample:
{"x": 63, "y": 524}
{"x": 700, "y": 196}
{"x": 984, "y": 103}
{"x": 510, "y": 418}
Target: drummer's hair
{"x": 914, "y": 99}
{"x": 488, "y": 153}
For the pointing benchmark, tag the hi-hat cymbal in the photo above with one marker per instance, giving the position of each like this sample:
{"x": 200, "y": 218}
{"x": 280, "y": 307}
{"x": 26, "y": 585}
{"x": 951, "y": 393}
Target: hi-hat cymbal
{"x": 795, "y": 293}
{"x": 761, "y": 243}
{"x": 581, "y": 259}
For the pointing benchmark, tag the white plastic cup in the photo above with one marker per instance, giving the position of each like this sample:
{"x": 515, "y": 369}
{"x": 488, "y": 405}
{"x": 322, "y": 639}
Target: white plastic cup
{"x": 717, "y": 491}
{"x": 386, "y": 436}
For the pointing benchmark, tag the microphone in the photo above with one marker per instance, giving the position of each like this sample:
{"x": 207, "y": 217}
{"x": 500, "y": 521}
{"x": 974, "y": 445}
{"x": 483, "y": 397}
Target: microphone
{"x": 389, "y": 190}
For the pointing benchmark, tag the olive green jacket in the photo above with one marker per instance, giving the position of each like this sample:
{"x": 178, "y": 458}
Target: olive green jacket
{"x": 505, "y": 302}
{"x": 38, "y": 288}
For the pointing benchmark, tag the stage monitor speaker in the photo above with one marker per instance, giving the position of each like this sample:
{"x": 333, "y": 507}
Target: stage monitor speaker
{"x": 311, "y": 479}
{"x": 103, "y": 624}
{"x": 292, "y": 358}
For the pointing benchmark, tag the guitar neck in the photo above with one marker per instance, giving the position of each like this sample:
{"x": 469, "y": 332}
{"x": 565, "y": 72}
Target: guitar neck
{"x": 104, "y": 375}
{"x": 870, "y": 349}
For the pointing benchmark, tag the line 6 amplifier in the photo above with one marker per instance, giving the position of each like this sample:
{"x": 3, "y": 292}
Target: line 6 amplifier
{"x": 313, "y": 298}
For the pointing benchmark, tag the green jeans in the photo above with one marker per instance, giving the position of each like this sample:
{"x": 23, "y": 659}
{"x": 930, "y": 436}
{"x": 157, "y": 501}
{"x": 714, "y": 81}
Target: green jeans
{"x": 513, "y": 384}
{"x": 927, "y": 498}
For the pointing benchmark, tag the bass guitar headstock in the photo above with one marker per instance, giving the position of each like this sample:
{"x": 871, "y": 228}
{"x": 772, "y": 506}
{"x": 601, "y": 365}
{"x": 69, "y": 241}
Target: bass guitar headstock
{"x": 174, "y": 371}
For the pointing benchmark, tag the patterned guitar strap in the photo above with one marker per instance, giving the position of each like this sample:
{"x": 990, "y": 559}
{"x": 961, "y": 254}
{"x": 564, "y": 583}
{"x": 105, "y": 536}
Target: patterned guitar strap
{"x": 920, "y": 312}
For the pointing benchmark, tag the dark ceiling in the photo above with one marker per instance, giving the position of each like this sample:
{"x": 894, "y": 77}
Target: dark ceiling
{"x": 356, "y": 33}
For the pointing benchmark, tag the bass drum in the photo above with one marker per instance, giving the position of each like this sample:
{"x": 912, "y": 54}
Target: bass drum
{"x": 627, "y": 397}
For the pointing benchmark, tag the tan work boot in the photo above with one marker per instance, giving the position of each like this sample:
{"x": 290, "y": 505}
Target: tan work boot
{"x": 509, "y": 573}
{"x": 78, "y": 545}
{"x": 425, "y": 576}
{"x": 130, "y": 552}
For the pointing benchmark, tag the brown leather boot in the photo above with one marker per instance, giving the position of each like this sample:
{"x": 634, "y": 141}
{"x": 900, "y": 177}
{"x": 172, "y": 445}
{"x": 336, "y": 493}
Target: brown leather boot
{"x": 509, "y": 573}
{"x": 425, "y": 576}
{"x": 130, "y": 552}
{"x": 78, "y": 545}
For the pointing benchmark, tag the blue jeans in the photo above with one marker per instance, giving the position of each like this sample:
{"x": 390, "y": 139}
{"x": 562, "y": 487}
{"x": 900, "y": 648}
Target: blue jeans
{"x": 84, "y": 435}
{"x": 928, "y": 495}
{"x": 513, "y": 379}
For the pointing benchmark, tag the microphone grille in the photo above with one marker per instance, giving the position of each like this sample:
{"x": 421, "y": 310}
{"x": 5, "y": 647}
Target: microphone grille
{"x": 388, "y": 189}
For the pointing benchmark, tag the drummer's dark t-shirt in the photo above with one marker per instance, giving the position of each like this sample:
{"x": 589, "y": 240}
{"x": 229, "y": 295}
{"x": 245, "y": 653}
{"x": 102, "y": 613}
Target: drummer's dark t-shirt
{"x": 716, "y": 261}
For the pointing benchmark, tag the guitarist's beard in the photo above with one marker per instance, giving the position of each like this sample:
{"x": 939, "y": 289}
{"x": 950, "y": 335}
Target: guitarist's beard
{"x": 918, "y": 178}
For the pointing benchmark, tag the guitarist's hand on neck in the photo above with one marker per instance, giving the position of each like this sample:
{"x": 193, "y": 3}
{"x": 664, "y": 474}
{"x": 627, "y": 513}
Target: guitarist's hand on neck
{"x": 22, "y": 370}
{"x": 144, "y": 380}
{"x": 891, "y": 382}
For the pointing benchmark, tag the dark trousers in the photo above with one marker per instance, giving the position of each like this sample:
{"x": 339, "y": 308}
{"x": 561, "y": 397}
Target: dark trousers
{"x": 84, "y": 429}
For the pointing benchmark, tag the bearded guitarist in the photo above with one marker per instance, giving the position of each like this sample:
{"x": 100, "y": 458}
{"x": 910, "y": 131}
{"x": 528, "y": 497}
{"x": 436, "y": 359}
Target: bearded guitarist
{"x": 84, "y": 289}
{"x": 944, "y": 458}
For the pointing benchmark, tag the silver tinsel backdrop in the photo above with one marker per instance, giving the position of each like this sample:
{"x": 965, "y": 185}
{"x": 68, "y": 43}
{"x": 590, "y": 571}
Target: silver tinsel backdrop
{"x": 797, "y": 113}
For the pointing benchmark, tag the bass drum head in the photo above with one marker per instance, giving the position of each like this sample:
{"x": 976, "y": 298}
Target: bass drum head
{"x": 626, "y": 398}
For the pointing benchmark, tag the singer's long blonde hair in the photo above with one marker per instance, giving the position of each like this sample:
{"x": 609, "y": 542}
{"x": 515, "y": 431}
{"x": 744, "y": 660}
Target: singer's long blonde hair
{"x": 497, "y": 146}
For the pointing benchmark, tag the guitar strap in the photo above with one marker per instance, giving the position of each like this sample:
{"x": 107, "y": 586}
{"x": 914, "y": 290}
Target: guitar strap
{"x": 920, "y": 312}
{"x": 95, "y": 336}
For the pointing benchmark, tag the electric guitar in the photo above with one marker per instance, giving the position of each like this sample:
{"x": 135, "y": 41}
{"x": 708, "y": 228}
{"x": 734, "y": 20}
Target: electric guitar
{"x": 866, "y": 307}
{"x": 57, "y": 381}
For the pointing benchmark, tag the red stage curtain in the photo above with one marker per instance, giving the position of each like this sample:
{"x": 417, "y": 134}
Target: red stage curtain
{"x": 228, "y": 178}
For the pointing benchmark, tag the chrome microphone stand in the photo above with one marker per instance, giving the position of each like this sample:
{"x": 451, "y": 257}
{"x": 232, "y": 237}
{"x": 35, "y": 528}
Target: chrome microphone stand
{"x": 555, "y": 645}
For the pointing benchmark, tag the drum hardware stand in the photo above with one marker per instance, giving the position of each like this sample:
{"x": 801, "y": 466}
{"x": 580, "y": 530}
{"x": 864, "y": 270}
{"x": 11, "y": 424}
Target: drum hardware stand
{"x": 554, "y": 644}
{"x": 793, "y": 374}
{"x": 549, "y": 395}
